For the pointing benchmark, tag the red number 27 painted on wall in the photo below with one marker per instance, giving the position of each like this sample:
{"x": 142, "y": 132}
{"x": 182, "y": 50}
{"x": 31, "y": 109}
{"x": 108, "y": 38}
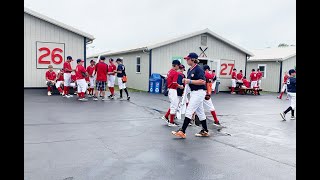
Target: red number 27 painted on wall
{"x": 55, "y": 58}
{"x": 224, "y": 67}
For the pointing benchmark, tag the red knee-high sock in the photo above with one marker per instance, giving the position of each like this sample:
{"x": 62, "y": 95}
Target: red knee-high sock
{"x": 281, "y": 95}
{"x": 49, "y": 89}
{"x": 167, "y": 114}
{"x": 112, "y": 90}
{"x": 82, "y": 94}
{"x": 60, "y": 90}
{"x": 214, "y": 115}
{"x": 172, "y": 118}
{"x": 232, "y": 89}
{"x": 65, "y": 89}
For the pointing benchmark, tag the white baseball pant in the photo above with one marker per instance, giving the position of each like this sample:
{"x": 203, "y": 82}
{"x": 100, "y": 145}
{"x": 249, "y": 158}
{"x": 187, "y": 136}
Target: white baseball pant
{"x": 292, "y": 98}
{"x": 174, "y": 100}
{"x": 196, "y": 104}
{"x": 111, "y": 80}
{"x": 233, "y": 83}
{"x": 58, "y": 84}
{"x": 121, "y": 84}
{"x": 92, "y": 82}
{"x": 73, "y": 85}
{"x": 214, "y": 85}
{"x": 253, "y": 84}
{"x": 208, "y": 106}
{"x": 67, "y": 79}
{"x": 284, "y": 88}
{"x": 82, "y": 85}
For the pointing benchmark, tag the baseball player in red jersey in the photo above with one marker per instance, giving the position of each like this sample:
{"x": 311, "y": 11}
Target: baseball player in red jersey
{"x": 284, "y": 86}
{"x": 101, "y": 71}
{"x": 81, "y": 73}
{"x": 214, "y": 83}
{"x": 239, "y": 76}
{"x": 67, "y": 76}
{"x": 59, "y": 82}
{"x": 253, "y": 78}
{"x": 90, "y": 70}
{"x": 207, "y": 103}
{"x": 233, "y": 80}
{"x": 50, "y": 79}
{"x": 259, "y": 77}
{"x": 112, "y": 69}
{"x": 172, "y": 84}
{"x": 246, "y": 83}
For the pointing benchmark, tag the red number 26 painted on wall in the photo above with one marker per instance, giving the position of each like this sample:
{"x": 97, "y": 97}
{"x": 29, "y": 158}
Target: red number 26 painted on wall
{"x": 55, "y": 58}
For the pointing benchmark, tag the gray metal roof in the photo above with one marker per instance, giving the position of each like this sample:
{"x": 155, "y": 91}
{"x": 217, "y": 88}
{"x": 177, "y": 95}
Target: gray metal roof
{"x": 273, "y": 54}
{"x": 176, "y": 39}
{"x": 57, "y": 23}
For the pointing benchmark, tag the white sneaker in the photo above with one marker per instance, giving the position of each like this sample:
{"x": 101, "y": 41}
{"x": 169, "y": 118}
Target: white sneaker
{"x": 165, "y": 119}
{"x": 89, "y": 95}
{"x": 293, "y": 118}
{"x": 49, "y": 93}
{"x": 233, "y": 93}
{"x": 67, "y": 96}
{"x": 172, "y": 124}
{"x": 70, "y": 95}
{"x": 62, "y": 93}
{"x": 283, "y": 115}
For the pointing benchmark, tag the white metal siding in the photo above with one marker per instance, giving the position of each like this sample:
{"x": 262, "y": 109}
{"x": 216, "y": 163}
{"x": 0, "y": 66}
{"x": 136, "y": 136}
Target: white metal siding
{"x": 140, "y": 80}
{"x": 271, "y": 81}
{"x": 38, "y": 30}
{"x": 162, "y": 56}
{"x": 288, "y": 64}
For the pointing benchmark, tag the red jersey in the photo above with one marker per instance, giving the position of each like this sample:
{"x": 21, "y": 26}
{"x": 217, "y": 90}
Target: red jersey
{"x": 172, "y": 78}
{"x": 246, "y": 83}
{"x": 90, "y": 70}
{"x": 73, "y": 78}
{"x": 67, "y": 65}
{"x": 259, "y": 75}
{"x": 87, "y": 78}
{"x": 51, "y": 75}
{"x": 285, "y": 79}
{"x": 111, "y": 68}
{"x": 101, "y": 69}
{"x": 60, "y": 76}
{"x": 253, "y": 76}
{"x": 79, "y": 72}
{"x": 239, "y": 76}
{"x": 234, "y": 75}
{"x": 209, "y": 77}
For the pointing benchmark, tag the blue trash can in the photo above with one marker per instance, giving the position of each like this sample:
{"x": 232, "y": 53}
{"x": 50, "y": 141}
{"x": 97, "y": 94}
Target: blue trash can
{"x": 151, "y": 85}
{"x": 217, "y": 87}
{"x": 155, "y": 83}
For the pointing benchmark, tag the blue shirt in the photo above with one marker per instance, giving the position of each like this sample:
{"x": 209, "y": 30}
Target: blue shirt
{"x": 122, "y": 69}
{"x": 179, "y": 81}
{"x": 195, "y": 74}
{"x": 291, "y": 84}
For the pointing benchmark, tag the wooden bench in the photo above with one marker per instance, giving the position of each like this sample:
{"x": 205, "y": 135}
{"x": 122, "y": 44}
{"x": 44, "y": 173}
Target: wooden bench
{"x": 245, "y": 90}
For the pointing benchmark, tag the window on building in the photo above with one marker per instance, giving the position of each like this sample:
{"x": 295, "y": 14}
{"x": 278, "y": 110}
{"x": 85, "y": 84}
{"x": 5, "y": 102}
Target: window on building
{"x": 138, "y": 64}
{"x": 203, "y": 40}
{"x": 263, "y": 69}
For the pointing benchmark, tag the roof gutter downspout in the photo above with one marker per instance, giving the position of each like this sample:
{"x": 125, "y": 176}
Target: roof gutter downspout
{"x": 280, "y": 77}
{"x": 245, "y": 68}
{"x": 85, "y": 52}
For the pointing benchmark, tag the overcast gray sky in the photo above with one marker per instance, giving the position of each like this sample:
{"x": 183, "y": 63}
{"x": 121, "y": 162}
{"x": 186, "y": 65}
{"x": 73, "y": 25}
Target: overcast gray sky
{"x": 118, "y": 24}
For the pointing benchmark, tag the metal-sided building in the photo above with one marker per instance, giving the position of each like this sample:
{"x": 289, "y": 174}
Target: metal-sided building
{"x": 47, "y": 41}
{"x": 219, "y": 53}
{"x": 272, "y": 62}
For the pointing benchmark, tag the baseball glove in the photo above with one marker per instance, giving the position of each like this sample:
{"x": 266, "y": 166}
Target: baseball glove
{"x": 207, "y": 97}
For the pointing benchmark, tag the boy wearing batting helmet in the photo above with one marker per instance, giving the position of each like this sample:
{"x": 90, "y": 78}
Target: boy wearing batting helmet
{"x": 291, "y": 88}
{"x": 172, "y": 84}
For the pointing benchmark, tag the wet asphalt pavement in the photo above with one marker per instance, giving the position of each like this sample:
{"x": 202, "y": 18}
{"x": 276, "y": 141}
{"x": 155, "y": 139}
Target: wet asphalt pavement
{"x": 70, "y": 140}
